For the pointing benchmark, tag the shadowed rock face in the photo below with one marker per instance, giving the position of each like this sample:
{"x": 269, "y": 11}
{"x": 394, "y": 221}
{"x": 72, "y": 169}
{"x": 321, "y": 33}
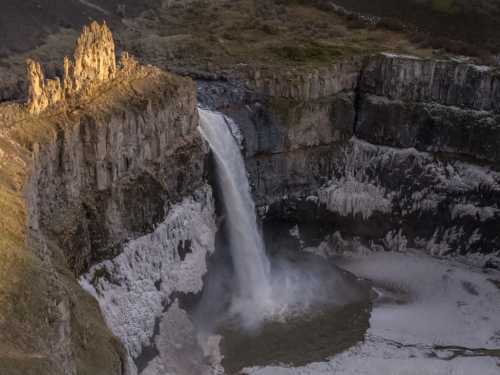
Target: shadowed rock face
{"x": 433, "y": 81}
{"x": 431, "y": 105}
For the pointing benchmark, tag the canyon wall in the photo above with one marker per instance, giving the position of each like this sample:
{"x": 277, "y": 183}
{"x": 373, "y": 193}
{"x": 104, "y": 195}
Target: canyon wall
{"x": 110, "y": 177}
{"x": 108, "y": 174}
{"x": 107, "y": 179}
{"x": 375, "y": 147}
{"x": 431, "y": 105}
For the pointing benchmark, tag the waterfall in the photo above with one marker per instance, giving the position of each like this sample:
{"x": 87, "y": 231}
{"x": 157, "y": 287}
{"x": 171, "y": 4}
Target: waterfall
{"x": 251, "y": 265}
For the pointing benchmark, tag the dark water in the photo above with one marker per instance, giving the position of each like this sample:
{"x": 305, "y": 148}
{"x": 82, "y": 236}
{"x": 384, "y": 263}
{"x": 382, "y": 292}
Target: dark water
{"x": 297, "y": 341}
{"x": 331, "y": 326}
{"x": 329, "y": 308}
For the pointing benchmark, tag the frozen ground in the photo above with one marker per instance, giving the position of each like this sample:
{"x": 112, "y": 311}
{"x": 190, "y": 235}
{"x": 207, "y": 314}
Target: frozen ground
{"x": 432, "y": 316}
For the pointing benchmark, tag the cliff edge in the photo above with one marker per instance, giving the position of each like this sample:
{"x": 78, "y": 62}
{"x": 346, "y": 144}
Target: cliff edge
{"x": 84, "y": 147}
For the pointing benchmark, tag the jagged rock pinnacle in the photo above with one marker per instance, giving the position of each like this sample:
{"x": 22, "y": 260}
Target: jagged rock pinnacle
{"x": 93, "y": 63}
{"x": 94, "y": 56}
{"x": 41, "y": 93}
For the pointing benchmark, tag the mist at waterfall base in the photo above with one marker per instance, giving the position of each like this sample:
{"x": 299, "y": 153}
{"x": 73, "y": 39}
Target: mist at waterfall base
{"x": 245, "y": 286}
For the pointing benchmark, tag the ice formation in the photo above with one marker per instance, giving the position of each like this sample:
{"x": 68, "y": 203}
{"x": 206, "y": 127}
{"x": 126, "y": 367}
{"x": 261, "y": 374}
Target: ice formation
{"x": 134, "y": 288}
{"x": 350, "y": 197}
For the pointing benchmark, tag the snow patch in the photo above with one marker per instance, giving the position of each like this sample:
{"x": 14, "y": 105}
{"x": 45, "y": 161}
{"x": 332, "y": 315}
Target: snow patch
{"x": 469, "y": 209}
{"x": 350, "y": 197}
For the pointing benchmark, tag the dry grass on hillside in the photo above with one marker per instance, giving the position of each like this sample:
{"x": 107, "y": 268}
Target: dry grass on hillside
{"x": 217, "y": 36}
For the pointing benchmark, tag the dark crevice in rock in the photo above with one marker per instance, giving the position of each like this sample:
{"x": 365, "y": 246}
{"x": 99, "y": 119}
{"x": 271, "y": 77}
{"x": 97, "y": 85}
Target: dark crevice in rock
{"x": 357, "y": 98}
{"x": 184, "y": 248}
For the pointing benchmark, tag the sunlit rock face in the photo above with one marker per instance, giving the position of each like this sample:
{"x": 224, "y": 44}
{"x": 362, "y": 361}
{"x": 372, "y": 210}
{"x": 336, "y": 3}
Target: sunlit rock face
{"x": 94, "y": 63}
{"x": 94, "y": 59}
{"x": 42, "y": 93}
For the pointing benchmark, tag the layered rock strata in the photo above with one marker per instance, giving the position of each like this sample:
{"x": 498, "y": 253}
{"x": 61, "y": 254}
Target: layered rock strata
{"x": 138, "y": 286}
{"x": 436, "y": 106}
{"x": 307, "y": 159}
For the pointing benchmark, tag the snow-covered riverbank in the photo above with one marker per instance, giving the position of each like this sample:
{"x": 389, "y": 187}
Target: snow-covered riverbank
{"x": 433, "y": 316}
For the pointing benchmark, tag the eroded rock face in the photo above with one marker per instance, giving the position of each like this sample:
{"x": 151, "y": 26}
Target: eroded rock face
{"x": 308, "y": 159}
{"x": 94, "y": 63}
{"x": 104, "y": 181}
{"x": 448, "y": 83}
{"x": 436, "y": 106}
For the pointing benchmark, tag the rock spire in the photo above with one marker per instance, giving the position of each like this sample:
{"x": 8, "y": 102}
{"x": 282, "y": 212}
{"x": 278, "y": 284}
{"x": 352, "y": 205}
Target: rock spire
{"x": 93, "y": 63}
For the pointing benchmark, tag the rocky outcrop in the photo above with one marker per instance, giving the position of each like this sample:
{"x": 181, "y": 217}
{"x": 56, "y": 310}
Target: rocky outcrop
{"x": 104, "y": 179}
{"x": 94, "y": 59}
{"x": 42, "y": 93}
{"x": 88, "y": 172}
{"x": 94, "y": 63}
{"x": 437, "y": 106}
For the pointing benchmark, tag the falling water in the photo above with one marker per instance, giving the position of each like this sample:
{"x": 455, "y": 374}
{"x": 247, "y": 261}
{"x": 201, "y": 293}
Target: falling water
{"x": 248, "y": 254}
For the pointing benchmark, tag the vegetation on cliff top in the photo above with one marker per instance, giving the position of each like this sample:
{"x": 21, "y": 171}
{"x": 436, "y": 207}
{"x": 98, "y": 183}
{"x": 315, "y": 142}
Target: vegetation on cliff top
{"x": 218, "y": 36}
{"x": 221, "y": 36}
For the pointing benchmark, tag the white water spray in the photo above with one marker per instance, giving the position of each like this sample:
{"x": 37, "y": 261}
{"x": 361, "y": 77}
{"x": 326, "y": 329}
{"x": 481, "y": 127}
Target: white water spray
{"x": 252, "y": 268}
{"x": 292, "y": 288}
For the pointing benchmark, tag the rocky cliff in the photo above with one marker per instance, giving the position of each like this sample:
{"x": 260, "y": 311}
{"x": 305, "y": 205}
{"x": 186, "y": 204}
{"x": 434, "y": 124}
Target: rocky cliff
{"x": 376, "y": 146}
{"x": 88, "y": 166}
{"x": 437, "y": 106}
